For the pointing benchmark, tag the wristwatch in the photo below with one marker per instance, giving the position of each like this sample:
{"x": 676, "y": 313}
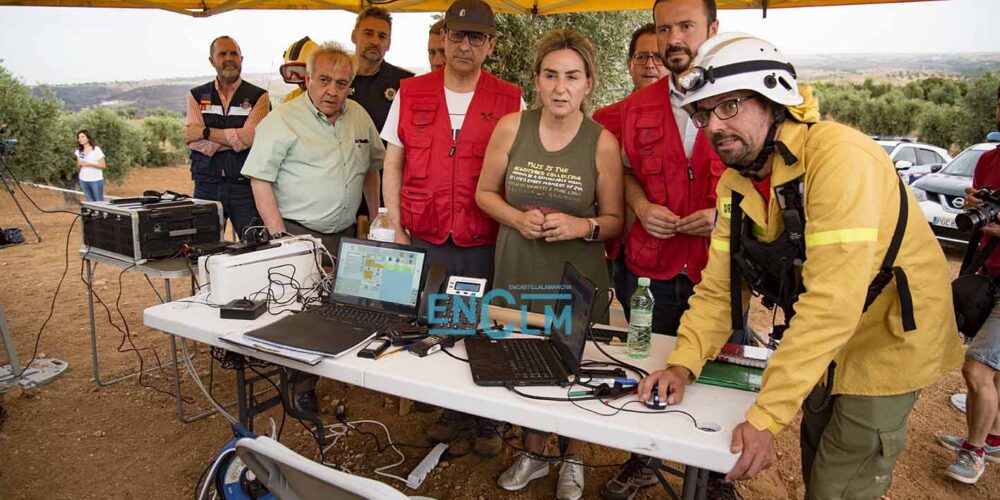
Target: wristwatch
{"x": 205, "y": 133}
{"x": 595, "y": 230}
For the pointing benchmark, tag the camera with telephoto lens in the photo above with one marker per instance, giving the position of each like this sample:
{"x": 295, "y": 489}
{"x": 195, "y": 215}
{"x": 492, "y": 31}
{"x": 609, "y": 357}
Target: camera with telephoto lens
{"x": 977, "y": 218}
{"x": 8, "y": 145}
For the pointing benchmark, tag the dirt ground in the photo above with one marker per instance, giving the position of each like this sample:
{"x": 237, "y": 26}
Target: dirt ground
{"x": 73, "y": 439}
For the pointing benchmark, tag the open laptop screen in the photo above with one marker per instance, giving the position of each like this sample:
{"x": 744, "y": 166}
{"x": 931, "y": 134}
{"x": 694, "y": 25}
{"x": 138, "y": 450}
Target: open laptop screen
{"x": 379, "y": 275}
{"x": 569, "y": 342}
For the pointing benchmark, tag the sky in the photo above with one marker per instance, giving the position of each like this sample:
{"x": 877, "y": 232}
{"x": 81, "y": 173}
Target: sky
{"x": 58, "y": 45}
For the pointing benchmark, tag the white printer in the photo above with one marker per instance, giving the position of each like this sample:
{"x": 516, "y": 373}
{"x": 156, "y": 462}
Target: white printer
{"x": 229, "y": 277}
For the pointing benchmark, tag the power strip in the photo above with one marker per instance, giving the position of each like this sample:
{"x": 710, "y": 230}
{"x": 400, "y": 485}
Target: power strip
{"x": 419, "y": 473}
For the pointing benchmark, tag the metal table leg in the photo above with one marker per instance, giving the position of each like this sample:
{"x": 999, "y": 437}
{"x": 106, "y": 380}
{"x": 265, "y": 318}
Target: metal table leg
{"x": 93, "y": 335}
{"x": 695, "y": 483}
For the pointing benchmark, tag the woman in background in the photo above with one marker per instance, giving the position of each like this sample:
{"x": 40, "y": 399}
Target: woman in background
{"x": 90, "y": 162}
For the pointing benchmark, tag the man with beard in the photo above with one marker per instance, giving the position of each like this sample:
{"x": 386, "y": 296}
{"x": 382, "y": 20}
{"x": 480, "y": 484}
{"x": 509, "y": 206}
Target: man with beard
{"x": 438, "y": 130}
{"x": 812, "y": 216}
{"x": 671, "y": 173}
{"x": 645, "y": 66}
{"x": 221, "y": 118}
{"x": 377, "y": 81}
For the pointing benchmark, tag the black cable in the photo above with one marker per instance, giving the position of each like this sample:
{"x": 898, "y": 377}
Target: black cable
{"x": 590, "y": 331}
{"x": 52, "y": 309}
{"x": 315, "y": 435}
{"x": 513, "y": 389}
{"x": 40, "y": 209}
{"x": 136, "y": 350}
{"x": 445, "y": 350}
{"x": 378, "y": 444}
{"x": 657, "y": 412}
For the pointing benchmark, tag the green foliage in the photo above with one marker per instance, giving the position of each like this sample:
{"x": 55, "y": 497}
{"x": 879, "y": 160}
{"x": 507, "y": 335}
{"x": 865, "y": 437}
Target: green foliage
{"x": 979, "y": 108}
{"x": 948, "y": 112}
{"x": 608, "y": 31}
{"x": 164, "y": 138}
{"x": 123, "y": 143}
{"x": 35, "y": 123}
{"x": 46, "y": 135}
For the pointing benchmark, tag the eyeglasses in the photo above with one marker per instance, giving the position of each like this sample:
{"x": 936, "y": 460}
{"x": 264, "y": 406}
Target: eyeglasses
{"x": 724, "y": 110}
{"x": 476, "y": 39}
{"x": 642, "y": 58}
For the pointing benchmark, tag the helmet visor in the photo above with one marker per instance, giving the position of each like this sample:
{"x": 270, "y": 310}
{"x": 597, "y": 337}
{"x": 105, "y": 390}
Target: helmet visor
{"x": 293, "y": 72}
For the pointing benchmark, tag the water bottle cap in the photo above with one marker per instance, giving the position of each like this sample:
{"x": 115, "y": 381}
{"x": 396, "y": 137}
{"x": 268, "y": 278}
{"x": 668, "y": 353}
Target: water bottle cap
{"x": 643, "y": 281}
{"x": 383, "y": 210}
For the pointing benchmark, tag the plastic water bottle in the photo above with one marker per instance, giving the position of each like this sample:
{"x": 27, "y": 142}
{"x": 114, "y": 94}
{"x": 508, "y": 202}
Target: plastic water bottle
{"x": 640, "y": 325}
{"x": 380, "y": 229}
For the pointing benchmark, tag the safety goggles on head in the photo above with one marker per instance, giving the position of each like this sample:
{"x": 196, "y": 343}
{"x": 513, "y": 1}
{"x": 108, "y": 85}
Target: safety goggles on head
{"x": 724, "y": 111}
{"x": 293, "y": 72}
{"x": 696, "y": 77}
{"x": 476, "y": 39}
{"x": 642, "y": 58}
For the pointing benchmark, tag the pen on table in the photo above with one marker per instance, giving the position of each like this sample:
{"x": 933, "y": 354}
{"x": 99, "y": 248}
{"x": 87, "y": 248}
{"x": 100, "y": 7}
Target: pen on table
{"x": 390, "y": 353}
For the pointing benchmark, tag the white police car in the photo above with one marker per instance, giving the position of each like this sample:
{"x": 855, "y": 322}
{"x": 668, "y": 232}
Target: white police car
{"x": 942, "y": 194}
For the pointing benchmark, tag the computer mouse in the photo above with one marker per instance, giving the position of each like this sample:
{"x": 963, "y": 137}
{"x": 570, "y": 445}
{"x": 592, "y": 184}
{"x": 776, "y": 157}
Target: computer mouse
{"x": 654, "y": 403}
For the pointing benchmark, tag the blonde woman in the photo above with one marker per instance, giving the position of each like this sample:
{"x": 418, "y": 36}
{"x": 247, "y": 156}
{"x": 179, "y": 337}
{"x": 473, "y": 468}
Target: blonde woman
{"x": 552, "y": 178}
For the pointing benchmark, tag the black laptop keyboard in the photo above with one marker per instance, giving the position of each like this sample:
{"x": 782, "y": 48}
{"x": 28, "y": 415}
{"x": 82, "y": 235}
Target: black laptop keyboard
{"x": 374, "y": 319}
{"x": 526, "y": 360}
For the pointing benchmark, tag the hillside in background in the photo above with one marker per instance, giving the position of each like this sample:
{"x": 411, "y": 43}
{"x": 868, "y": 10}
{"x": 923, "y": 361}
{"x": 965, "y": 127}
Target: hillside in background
{"x": 893, "y": 68}
{"x": 150, "y": 94}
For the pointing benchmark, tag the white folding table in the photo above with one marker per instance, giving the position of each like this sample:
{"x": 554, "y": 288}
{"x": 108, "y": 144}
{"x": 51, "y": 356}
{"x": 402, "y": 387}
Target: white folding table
{"x": 441, "y": 380}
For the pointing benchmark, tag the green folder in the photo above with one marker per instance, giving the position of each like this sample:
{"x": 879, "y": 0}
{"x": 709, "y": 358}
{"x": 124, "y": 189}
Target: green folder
{"x": 744, "y": 378}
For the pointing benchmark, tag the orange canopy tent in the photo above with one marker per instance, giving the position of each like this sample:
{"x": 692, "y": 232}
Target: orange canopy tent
{"x": 205, "y": 8}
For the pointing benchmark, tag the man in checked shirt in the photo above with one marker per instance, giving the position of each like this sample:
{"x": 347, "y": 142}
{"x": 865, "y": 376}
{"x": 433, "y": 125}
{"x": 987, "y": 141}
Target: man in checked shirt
{"x": 221, "y": 117}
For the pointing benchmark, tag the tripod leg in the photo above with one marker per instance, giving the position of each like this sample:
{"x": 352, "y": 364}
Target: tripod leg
{"x": 10, "y": 191}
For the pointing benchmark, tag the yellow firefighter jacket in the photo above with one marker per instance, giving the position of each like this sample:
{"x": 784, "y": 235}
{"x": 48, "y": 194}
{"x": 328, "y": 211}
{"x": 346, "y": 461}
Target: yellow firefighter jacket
{"x": 851, "y": 205}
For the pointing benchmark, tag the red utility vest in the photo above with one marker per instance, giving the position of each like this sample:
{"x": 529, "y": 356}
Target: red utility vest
{"x": 655, "y": 151}
{"x": 440, "y": 172}
{"x": 610, "y": 117}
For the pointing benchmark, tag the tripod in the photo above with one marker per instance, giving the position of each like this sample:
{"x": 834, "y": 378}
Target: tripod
{"x": 8, "y": 186}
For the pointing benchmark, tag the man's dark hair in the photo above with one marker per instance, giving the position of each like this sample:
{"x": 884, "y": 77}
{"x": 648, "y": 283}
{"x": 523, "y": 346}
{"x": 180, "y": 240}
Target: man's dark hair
{"x": 708, "y": 6}
{"x": 211, "y": 46}
{"x": 645, "y": 29}
{"x": 377, "y": 13}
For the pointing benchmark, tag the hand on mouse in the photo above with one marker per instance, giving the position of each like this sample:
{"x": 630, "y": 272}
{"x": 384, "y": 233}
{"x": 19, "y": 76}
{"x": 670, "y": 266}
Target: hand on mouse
{"x": 670, "y": 382}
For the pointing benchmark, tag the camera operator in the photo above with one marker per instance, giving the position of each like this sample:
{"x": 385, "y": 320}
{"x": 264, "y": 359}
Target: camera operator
{"x": 982, "y": 360}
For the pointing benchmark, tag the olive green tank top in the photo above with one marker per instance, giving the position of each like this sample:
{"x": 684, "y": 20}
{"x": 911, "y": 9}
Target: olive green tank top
{"x": 563, "y": 181}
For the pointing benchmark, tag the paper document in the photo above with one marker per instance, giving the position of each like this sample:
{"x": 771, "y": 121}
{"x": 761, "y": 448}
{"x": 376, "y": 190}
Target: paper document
{"x": 302, "y": 356}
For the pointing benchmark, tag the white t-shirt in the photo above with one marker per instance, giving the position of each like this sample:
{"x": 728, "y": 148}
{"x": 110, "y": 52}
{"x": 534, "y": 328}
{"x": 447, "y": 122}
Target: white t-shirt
{"x": 91, "y": 174}
{"x": 458, "y": 105}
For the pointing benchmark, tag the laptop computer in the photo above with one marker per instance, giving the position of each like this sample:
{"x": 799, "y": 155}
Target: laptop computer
{"x": 377, "y": 286}
{"x": 526, "y": 361}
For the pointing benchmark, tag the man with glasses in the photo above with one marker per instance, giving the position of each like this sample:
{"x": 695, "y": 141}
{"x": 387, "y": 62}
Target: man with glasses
{"x": 437, "y": 132}
{"x": 221, "y": 118}
{"x": 645, "y": 66}
{"x": 313, "y": 159}
{"x": 813, "y": 216}
{"x": 671, "y": 173}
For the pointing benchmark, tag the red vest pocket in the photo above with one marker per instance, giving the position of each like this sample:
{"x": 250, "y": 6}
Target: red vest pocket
{"x": 418, "y": 157}
{"x": 417, "y": 210}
